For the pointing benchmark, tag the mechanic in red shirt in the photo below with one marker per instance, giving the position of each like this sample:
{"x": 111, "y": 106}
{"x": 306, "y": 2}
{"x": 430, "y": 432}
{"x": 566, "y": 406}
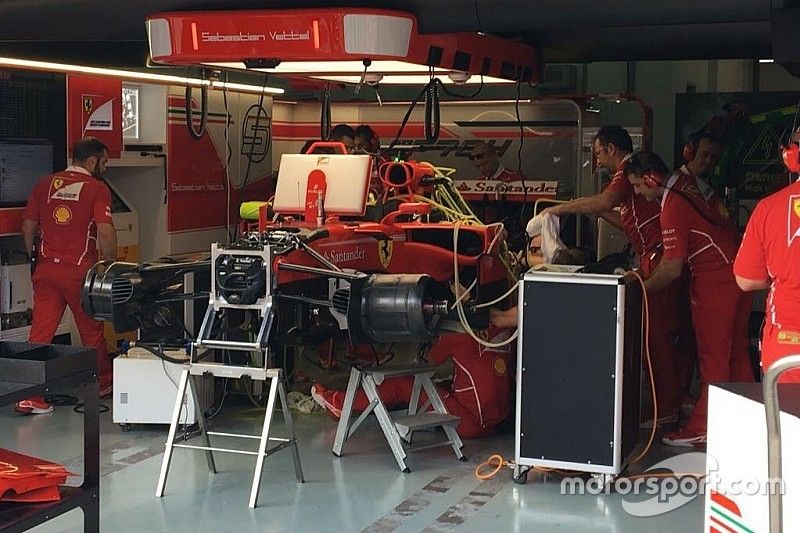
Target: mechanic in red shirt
{"x": 71, "y": 213}
{"x": 697, "y": 230}
{"x": 480, "y": 392}
{"x": 486, "y": 159}
{"x": 769, "y": 258}
{"x": 496, "y": 207}
{"x": 639, "y": 218}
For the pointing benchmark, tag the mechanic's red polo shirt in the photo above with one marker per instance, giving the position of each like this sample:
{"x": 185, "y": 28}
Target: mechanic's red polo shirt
{"x": 771, "y": 250}
{"x": 639, "y": 216}
{"x": 696, "y": 227}
{"x": 68, "y": 206}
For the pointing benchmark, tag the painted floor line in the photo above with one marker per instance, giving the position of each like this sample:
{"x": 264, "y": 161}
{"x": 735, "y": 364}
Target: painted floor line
{"x": 460, "y": 512}
{"x": 415, "y": 503}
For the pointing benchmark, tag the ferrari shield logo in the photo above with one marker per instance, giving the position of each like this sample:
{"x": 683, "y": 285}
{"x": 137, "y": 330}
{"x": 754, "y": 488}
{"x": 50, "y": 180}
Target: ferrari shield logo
{"x": 724, "y": 210}
{"x": 794, "y": 218}
{"x": 691, "y": 189}
{"x": 58, "y": 183}
{"x": 88, "y": 104}
{"x": 385, "y": 252}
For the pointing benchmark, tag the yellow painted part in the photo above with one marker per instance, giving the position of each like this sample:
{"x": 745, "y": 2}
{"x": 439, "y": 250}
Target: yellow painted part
{"x": 249, "y": 210}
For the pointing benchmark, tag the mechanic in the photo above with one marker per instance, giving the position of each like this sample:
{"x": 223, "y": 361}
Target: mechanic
{"x": 70, "y": 211}
{"x": 545, "y": 247}
{"x": 769, "y": 259}
{"x": 495, "y": 207}
{"x": 697, "y": 230}
{"x": 638, "y": 217}
{"x": 366, "y": 141}
{"x": 701, "y": 154}
{"x": 480, "y": 392}
{"x": 486, "y": 159}
{"x": 344, "y": 134}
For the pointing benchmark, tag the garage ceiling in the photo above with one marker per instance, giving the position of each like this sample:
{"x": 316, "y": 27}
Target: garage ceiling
{"x": 112, "y": 31}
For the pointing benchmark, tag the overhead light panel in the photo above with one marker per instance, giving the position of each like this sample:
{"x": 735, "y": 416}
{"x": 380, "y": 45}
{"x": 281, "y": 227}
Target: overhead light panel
{"x": 133, "y": 75}
{"x": 338, "y": 45}
{"x": 391, "y": 72}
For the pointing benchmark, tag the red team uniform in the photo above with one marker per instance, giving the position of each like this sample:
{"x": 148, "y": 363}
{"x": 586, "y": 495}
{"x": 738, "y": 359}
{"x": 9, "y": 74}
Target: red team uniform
{"x": 67, "y": 206}
{"x": 697, "y": 230}
{"x": 480, "y": 393}
{"x": 640, "y": 221}
{"x": 506, "y": 176}
{"x": 767, "y": 252}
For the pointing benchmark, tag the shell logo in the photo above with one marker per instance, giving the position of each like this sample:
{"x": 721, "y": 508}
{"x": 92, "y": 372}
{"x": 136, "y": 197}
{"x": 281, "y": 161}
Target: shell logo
{"x": 62, "y": 214}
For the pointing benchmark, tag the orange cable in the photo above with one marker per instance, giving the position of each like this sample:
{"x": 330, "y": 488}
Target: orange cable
{"x": 646, "y": 321}
{"x": 487, "y": 463}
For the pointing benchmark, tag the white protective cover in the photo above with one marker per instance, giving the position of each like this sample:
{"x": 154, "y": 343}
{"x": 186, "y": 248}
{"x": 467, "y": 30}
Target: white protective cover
{"x": 347, "y": 178}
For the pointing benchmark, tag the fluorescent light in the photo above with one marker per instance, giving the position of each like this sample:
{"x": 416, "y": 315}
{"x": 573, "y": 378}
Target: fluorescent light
{"x": 132, "y": 75}
{"x": 394, "y": 72}
{"x": 766, "y": 60}
{"x": 443, "y": 103}
{"x": 416, "y": 79}
{"x": 246, "y": 88}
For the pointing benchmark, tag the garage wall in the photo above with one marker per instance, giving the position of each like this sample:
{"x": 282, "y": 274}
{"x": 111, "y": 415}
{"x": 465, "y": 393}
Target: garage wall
{"x": 775, "y": 78}
{"x": 659, "y": 81}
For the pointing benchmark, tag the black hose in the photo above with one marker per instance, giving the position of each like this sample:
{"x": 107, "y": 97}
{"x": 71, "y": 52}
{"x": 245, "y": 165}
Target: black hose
{"x": 161, "y": 355}
{"x": 196, "y": 134}
{"x": 410, "y": 110}
{"x": 432, "y": 112}
{"x": 325, "y": 115}
{"x": 463, "y": 96}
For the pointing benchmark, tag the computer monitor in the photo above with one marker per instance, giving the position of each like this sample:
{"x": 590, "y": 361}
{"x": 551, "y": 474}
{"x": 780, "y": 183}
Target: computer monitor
{"x": 21, "y": 165}
{"x": 346, "y": 177}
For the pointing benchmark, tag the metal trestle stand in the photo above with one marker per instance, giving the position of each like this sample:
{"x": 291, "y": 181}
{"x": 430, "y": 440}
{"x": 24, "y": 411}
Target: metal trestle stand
{"x": 398, "y": 430}
{"x": 274, "y": 375}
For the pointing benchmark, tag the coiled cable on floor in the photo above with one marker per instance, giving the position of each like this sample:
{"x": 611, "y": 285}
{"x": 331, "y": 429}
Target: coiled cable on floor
{"x": 480, "y": 472}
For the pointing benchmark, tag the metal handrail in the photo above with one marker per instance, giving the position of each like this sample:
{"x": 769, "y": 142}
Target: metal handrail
{"x": 774, "y": 455}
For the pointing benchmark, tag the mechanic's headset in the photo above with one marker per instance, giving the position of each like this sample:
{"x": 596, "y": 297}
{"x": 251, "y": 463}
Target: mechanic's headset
{"x": 651, "y": 179}
{"x": 690, "y": 148}
{"x": 790, "y": 154}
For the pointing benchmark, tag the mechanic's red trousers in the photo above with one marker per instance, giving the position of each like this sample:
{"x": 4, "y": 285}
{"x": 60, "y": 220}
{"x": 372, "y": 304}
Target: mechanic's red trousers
{"x": 55, "y": 286}
{"x": 663, "y": 332}
{"x": 720, "y": 313}
{"x": 687, "y": 345}
{"x": 777, "y": 343}
{"x": 481, "y": 389}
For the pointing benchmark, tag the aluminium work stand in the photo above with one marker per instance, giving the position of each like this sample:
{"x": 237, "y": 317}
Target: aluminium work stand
{"x": 398, "y": 430}
{"x": 276, "y": 389}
